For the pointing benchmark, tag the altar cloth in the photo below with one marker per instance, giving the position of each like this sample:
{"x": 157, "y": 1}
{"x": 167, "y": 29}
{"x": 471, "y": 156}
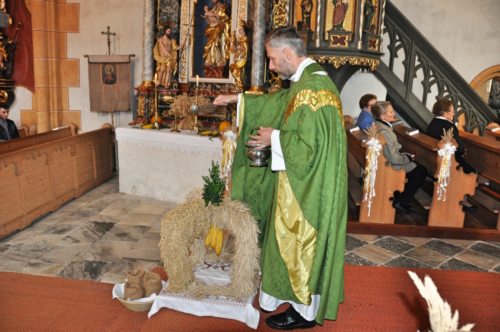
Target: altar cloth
{"x": 222, "y": 307}
{"x": 164, "y": 165}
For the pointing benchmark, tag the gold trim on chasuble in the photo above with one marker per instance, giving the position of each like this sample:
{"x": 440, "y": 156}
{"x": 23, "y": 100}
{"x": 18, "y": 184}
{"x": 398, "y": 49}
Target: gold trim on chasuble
{"x": 296, "y": 239}
{"x": 315, "y": 100}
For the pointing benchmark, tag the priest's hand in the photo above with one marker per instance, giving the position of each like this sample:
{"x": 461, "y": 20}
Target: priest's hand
{"x": 263, "y": 137}
{"x": 224, "y": 100}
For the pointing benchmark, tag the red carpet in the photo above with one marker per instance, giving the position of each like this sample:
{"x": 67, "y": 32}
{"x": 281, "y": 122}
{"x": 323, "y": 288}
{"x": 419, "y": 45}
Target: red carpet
{"x": 377, "y": 299}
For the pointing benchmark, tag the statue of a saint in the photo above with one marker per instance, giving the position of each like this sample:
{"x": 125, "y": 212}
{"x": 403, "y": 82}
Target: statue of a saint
{"x": 306, "y": 7}
{"x": 368, "y": 12}
{"x": 339, "y": 12}
{"x": 239, "y": 48}
{"x": 216, "y": 51}
{"x": 165, "y": 55}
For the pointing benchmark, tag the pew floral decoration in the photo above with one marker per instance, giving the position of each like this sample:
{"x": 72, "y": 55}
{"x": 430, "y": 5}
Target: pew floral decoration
{"x": 446, "y": 151}
{"x": 373, "y": 148}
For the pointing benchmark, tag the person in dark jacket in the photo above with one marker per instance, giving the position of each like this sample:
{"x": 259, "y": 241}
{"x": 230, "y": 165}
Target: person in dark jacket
{"x": 444, "y": 113}
{"x": 8, "y": 129}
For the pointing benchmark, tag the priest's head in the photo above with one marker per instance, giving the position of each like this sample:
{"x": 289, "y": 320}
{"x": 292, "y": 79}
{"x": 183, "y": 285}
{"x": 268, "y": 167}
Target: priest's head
{"x": 285, "y": 50}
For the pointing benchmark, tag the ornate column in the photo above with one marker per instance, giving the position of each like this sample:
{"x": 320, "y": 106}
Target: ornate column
{"x": 148, "y": 41}
{"x": 259, "y": 34}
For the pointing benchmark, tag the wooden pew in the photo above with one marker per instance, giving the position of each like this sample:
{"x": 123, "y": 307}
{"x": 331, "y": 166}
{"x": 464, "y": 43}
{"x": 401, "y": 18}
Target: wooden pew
{"x": 40, "y": 178}
{"x": 388, "y": 180}
{"x": 483, "y": 154}
{"x": 444, "y": 213}
{"x": 30, "y": 140}
{"x": 492, "y": 133}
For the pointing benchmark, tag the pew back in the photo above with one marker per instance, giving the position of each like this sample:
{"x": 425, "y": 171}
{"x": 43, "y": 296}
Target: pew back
{"x": 27, "y": 141}
{"x": 483, "y": 154}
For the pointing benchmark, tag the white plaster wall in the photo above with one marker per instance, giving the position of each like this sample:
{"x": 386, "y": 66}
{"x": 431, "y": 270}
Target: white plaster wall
{"x": 125, "y": 18}
{"x": 23, "y": 101}
{"x": 358, "y": 85}
{"x": 465, "y": 32}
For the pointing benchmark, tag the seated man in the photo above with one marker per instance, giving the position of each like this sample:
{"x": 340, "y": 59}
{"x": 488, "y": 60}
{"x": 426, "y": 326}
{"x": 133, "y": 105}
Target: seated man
{"x": 365, "y": 118}
{"x": 8, "y": 129}
{"x": 383, "y": 112}
{"x": 444, "y": 112}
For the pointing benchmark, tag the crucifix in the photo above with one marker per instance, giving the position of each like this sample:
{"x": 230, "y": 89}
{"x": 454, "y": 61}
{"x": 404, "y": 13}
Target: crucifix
{"x": 108, "y": 33}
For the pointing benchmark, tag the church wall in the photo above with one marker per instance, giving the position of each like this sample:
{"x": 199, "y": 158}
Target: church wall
{"x": 125, "y": 18}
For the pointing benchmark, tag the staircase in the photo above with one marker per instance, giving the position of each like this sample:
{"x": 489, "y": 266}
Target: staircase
{"x": 411, "y": 61}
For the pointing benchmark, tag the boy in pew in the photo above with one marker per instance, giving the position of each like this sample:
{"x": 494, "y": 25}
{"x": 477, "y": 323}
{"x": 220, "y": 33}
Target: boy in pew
{"x": 384, "y": 114}
{"x": 365, "y": 118}
{"x": 444, "y": 113}
{"x": 8, "y": 129}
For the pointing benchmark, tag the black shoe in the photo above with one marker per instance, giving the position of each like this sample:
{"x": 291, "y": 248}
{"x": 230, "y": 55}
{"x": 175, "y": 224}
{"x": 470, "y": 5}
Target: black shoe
{"x": 289, "y": 320}
{"x": 402, "y": 208}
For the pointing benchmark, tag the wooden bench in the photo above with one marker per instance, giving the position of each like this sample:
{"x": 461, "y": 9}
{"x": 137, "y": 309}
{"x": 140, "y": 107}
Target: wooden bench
{"x": 388, "y": 180}
{"x": 444, "y": 213}
{"x": 39, "y": 179}
{"x": 30, "y": 140}
{"x": 484, "y": 155}
{"x": 492, "y": 133}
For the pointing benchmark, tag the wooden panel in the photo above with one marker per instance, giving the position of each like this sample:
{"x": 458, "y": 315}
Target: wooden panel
{"x": 39, "y": 179}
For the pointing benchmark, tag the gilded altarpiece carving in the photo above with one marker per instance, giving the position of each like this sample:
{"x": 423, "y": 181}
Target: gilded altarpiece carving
{"x": 201, "y": 22}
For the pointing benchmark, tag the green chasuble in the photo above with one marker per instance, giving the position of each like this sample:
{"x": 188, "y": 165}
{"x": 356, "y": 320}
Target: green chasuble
{"x": 302, "y": 211}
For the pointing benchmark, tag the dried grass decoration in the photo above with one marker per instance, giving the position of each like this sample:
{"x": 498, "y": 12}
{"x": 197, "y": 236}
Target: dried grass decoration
{"x": 447, "y": 149}
{"x": 181, "y": 106}
{"x": 182, "y": 244}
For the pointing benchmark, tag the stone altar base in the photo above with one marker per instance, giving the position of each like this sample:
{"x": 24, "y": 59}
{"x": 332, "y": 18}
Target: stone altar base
{"x": 164, "y": 165}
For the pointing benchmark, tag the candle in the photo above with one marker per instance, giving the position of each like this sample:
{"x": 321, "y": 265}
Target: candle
{"x": 197, "y": 81}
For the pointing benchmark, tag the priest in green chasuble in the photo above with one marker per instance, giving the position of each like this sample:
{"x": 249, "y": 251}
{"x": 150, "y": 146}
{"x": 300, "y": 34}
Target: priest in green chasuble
{"x": 300, "y": 199}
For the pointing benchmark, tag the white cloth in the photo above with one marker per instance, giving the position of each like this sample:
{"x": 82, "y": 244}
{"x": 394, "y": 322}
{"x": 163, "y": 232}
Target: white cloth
{"x": 222, "y": 307}
{"x": 308, "y": 312}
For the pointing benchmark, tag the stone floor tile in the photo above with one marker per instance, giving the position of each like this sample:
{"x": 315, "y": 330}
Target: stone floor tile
{"x": 459, "y": 243}
{"x": 109, "y": 251}
{"x": 152, "y": 236}
{"x": 353, "y": 259}
{"x": 84, "y": 270}
{"x": 140, "y": 219}
{"x": 415, "y": 241}
{"x": 147, "y": 254}
{"x": 153, "y": 207}
{"x": 72, "y": 205}
{"x": 487, "y": 249}
{"x": 475, "y": 258}
{"x": 427, "y": 256}
{"x": 406, "y": 262}
{"x": 147, "y": 244}
{"x": 368, "y": 238}
{"x": 393, "y": 244}
{"x": 88, "y": 233}
{"x": 20, "y": 237}
{"x": 352, "y": 243}
{"x": 455, "y": 264}
{"x": 442, "y": 247}
{"x": 375, "y": 254}
{"x": 64, "y": 254}
{"x": 125, "y": 233}
{"x": 497, "y": 268}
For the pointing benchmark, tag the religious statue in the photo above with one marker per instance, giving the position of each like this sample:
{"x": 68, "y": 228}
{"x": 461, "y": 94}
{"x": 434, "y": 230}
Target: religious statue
{"x": 165, "y": 55}
{"x": 339, "y": 12}
{"x": 216, "y": 51}
{"x": 494, "y": 97}
{"x": 239, "y": 48}
{"x": 306, "y": 7}
{"x": 368, "y": 12}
